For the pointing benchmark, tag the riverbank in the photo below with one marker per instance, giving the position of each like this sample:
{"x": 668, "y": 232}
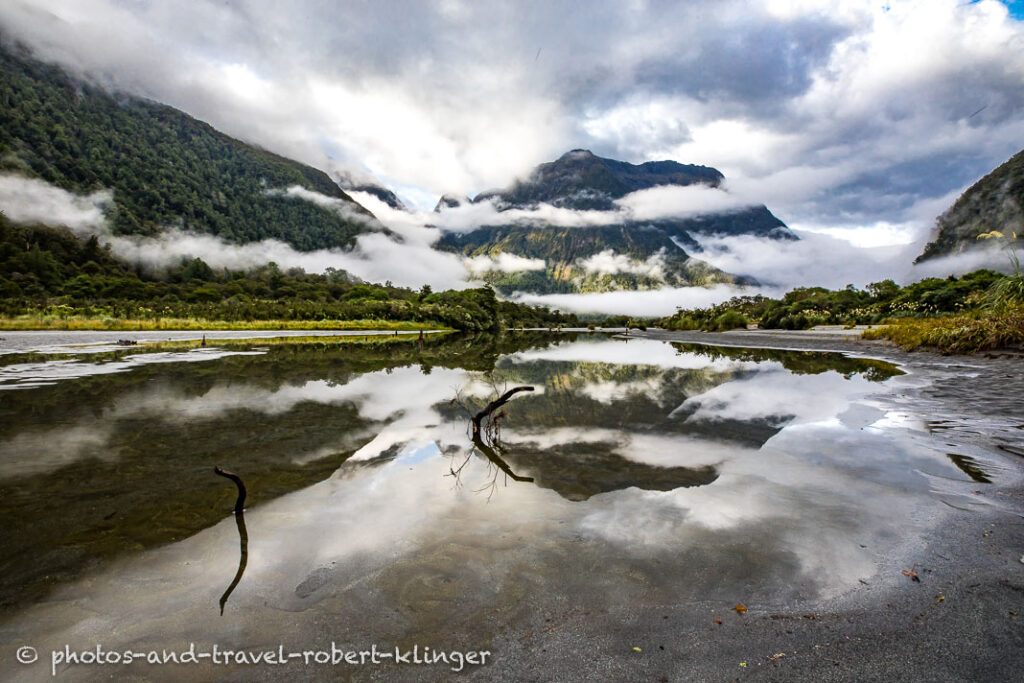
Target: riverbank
{"x": 99, "y": 341}
{"x": 962, "y": 621}
{"x": 75, "y": 323}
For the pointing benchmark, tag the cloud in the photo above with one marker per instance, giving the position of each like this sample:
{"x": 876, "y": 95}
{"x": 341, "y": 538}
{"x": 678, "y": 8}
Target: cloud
{"x": 826, "y": 261}
{"x": 651, "y": 303}
{"x": 680, "y": 202}
{"x": 503, "y": 262}
{"x": 468, "y": 216}
{"x": 814, "y": 260}
{"x": 28, "y": 200}
{"x": 666, "y": 202}
{"x": 377, "y": 257}
{"x": 608, "y": 262}
{"x": 340, "y": 206}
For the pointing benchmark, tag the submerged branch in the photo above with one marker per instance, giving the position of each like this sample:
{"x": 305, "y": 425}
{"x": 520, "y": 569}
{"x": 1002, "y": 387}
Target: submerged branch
{"x": 493, "y": 456}
{"x": 494, "y": 405}
{"x": 243, "y": 559}
{"x": 240, "y": 501}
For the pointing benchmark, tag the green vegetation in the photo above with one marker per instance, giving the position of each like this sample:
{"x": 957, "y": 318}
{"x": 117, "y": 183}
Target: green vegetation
{"x": 800, "y": 362}
{"x": 804, "y": 307}
{"x": 165, "y": 168}
{"x": 966, "y": 333}
{"x": 977, "y": 311}
{"x": 49, "y": 279}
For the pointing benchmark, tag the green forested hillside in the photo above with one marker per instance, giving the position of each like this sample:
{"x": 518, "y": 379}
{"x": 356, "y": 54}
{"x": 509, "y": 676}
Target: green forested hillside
{"x": 564, "y": 248}
{"x": 49, "y": 278}
{"x": 996, "y": 202}
{"x": 165, "y": 168}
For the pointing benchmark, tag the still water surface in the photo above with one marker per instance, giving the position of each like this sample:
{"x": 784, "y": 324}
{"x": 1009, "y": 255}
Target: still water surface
{"x": 637, "y": 472}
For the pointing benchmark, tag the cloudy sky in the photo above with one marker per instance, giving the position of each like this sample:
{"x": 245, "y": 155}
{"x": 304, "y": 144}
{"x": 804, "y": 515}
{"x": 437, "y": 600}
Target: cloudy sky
{"x": 841, "y": 113}
{"x": 860, "y": 119}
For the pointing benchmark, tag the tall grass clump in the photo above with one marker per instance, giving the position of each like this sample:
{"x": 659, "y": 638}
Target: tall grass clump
{"x": 966, "y": 333}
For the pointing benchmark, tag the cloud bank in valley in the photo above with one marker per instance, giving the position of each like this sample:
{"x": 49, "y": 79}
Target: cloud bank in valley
{"x": 27, "y": 200}
{"x": 608, "y": 262}
{"x": 376, "y": 257}
{"x": 816, "y": 260}
{"x": 408, "y": 258}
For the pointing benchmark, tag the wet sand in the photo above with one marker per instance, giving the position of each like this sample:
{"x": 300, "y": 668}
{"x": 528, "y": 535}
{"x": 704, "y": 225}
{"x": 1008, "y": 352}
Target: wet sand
{"x": 964, "y": 620}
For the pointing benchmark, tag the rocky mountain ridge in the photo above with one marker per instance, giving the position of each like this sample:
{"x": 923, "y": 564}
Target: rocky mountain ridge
{"x": 996, "y": 202}
{"x": 623, "y": 254}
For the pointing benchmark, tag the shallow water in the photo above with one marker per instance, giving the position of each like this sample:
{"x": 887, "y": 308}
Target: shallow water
{"x": 638, "y": 472}
{"x": 95, "y": 341}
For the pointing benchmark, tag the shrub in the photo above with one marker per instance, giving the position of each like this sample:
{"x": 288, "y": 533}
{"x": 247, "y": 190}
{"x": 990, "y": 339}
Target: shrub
{"x": 730, "y": 320}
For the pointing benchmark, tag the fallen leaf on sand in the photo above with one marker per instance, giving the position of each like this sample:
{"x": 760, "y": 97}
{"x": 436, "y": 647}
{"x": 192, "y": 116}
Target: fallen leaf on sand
{"x": 743, "y": 664}
{"x": 636, "y": 649}
{"x": 777, "y": 656}
{"x": 740, "y": 609}
{"x": 717, "y": 620}
{"x": 941, "y": 598}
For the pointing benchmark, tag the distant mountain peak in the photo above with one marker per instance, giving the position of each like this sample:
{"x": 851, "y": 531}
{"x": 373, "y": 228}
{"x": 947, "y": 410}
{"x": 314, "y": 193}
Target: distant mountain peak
{"x": 579, "y": 179}
{"x": 451, "y": 201}
{"x": 620, "y": 253}
{"x": 577, "y": 154}
{"x": 347, "y": 181}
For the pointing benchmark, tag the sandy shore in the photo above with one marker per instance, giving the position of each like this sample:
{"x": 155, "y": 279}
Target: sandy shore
{"x": 964, "y": 620}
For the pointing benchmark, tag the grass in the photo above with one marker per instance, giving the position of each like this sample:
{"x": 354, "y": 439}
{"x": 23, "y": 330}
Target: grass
{"x": 40, "y": 321}
{"x": 965, "y": 333}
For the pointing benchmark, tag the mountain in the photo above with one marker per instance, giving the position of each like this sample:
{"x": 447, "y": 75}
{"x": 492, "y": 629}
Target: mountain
{"x": 996, "y": 202}
{"x": 166, "y": 169}
{"x": 450, "y": 201}
{"x": 348, "y": 182}
{"x": 621, "y": 254}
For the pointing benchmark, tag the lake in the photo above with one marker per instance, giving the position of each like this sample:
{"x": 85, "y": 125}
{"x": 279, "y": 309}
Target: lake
{"x": 637, "y": 473}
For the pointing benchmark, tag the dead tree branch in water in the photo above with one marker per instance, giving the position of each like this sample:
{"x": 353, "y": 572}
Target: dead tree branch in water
{"x": 493, "y": 456}
{"x": 494, "y": 405}
{"x": 243, "y": 559}
{"x": 240, "y": 501}
{"x": 243, "y": 535}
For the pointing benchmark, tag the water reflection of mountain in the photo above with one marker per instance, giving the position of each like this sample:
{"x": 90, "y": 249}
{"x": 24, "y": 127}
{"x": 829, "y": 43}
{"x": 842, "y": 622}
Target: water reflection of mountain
{"x": 577, "y": 471}
{"x": 111, "y": 463}
{"x": 632, "y": 398}
{"x": 613, "y": 402}
{"x": 575, "y": 435}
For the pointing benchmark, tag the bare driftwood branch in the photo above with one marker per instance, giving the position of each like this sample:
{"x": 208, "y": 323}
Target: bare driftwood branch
{"x": 493, "y": 456}
{"x": 494, "y": 405}
{"x": 243, "y": 559}
{"x": 240, "y": 501}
